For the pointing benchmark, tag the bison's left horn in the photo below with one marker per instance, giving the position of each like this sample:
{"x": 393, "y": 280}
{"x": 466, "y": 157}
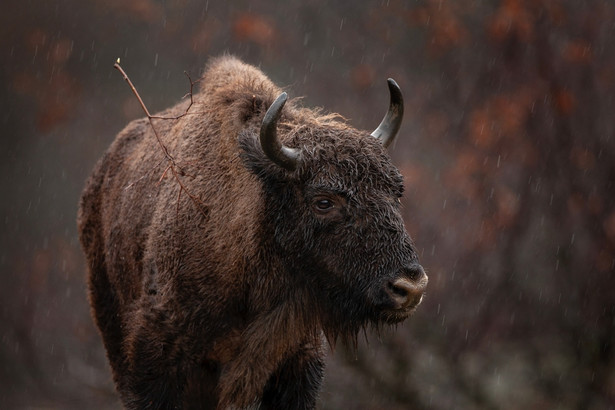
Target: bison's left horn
{"x": 283, "y": 156}
{"x": 389, "y": 127}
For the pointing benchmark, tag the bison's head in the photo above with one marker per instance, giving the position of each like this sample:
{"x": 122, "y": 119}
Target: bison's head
{"x": 332, "y": 214}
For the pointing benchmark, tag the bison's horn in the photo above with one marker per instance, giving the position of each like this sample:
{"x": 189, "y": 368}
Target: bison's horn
{"x": 388, "y": 128}
{"x": 283, "y": 156}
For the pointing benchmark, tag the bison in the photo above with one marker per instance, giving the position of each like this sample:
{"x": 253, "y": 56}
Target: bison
{"x": 280, "y": 232}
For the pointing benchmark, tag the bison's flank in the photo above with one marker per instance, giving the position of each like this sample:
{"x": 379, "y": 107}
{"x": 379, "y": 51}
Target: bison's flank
{"x": 295, "y": 237}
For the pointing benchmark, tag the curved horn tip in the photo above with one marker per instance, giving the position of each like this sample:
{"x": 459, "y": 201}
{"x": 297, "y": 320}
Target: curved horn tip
{"x": 275, "y": 109}
{"x": 389, "y": 127}
{"x": 395, "y": 91}
{"x": 392, "y": 83}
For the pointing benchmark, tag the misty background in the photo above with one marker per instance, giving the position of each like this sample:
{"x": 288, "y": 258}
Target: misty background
{"x": 507, "y": 150}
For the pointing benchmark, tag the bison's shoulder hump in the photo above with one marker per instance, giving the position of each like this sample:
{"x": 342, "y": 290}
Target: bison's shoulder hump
{"x": 227, "y": 78}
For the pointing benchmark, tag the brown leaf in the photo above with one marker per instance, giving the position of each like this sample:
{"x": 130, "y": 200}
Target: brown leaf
{"x": 144, "y": 10}
{"x": 582, "y": 158}
{"x": 362, "y": 76}
{"x": 564, "y": 101}
{"x": 511, "y": 19}
{"x": 481, "y": 127}
{"x": 251, "y": 27}
{"x": 507, "y": 207}
{"x": 578, "y": 51}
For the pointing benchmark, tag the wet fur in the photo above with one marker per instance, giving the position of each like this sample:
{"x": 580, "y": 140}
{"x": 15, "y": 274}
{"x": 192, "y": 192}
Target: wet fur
{"x": 226, "y": 301}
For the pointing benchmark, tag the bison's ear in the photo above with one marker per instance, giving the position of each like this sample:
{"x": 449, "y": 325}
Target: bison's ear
{"x": 259, "y": 155}
{"x": 254, "y": 158}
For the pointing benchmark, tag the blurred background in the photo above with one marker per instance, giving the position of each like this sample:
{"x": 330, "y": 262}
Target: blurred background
{"x": 507, "y": 150}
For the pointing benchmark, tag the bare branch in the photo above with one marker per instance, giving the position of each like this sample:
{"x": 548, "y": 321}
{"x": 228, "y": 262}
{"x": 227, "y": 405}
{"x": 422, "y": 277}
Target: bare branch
{"x": 176, "y": 170}
{"x": 189, "y": 94}
{"x": 149, "y": 116}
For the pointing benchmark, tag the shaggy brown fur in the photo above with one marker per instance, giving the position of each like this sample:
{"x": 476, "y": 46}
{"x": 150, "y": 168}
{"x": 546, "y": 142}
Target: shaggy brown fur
{"x": 224, "y": 301}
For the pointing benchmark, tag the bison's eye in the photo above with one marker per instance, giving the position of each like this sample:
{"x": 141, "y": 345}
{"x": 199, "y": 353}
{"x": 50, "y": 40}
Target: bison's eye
{"x": 328, "y": 206}
{"x": 324, "y": 205}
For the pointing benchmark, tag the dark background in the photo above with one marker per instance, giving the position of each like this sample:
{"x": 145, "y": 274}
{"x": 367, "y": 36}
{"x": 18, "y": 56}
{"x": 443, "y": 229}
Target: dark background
{"x": 507, "y": 149}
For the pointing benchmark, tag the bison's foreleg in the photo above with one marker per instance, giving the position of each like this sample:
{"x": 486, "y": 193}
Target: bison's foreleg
{"x": 295, "y": 385}
{"x": 151, "y": 390}
{"x": 154, "y": 376}
{"x": 265, "y": 346}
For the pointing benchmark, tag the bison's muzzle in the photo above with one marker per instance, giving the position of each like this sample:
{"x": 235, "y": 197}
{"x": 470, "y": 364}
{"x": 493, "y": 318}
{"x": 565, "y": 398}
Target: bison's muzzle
{"x": 400, "y": 297}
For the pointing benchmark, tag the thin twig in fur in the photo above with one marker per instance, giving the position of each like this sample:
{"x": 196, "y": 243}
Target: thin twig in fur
{"x": 176, "y": 170}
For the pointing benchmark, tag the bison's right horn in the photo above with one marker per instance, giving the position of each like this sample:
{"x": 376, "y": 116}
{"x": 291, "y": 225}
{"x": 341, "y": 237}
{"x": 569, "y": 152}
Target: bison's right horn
{"x": 283, "y": 156}
{"x": 388, "y": 128}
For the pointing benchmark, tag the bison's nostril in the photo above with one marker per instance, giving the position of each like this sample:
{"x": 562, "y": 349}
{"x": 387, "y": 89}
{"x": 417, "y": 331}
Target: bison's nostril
{"x": 401, "y": 288}
{"x": 401, "y": 292}
{"x": 406, "y": 293}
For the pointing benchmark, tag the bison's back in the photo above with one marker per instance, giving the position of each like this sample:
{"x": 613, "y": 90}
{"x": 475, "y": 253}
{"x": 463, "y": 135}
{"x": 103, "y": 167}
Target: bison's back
{"x": 175, "y": 251}
{"x": 141, "y": 230}
{"x": 114, "y": 219}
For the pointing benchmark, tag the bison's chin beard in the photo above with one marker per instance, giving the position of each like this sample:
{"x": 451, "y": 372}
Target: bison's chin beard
{"x": 346, "y": 325}
{"x": 393, "y": 317}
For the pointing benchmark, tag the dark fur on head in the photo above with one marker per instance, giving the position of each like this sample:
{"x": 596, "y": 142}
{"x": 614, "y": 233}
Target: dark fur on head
{"x": 338, "y": 161}
{"x": 223, "y": 301}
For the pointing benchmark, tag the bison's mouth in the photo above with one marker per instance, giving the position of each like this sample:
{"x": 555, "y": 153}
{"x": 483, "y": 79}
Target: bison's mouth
{"x": 396, "y": 315}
